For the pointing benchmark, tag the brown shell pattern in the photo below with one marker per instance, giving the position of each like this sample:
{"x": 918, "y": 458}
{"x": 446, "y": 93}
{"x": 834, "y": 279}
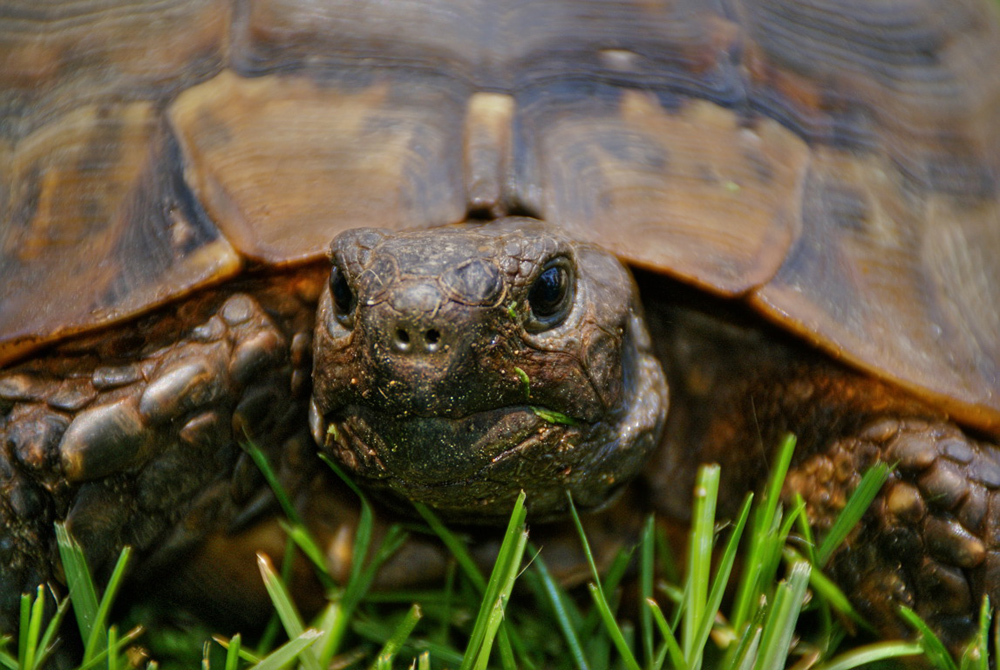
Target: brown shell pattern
{"x": 836, "y": 162}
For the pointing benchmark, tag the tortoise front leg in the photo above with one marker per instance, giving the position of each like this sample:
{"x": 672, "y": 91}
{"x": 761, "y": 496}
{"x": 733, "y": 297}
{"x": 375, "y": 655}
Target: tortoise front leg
{"x": 931, "y": 540}
{"x": 132, "y": 437}
{"x": 932, "y": 537}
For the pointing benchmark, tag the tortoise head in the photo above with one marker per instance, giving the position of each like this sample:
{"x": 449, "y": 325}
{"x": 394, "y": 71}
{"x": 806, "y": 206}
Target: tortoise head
{"x": 458, "y": 366}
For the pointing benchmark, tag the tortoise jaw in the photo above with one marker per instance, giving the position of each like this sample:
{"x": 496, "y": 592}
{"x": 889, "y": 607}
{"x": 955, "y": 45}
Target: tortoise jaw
{"x": 432, "y": 451}
{"x": 470, "y": 470}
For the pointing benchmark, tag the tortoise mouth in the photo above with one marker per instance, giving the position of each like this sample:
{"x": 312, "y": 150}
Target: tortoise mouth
{"x": 425, "y": 452}
{"x": 471, "y": 469}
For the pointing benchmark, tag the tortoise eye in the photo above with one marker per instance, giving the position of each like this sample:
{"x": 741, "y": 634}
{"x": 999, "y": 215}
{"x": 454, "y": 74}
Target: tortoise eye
{"x": 551, "y": 295}
{"x": 343, "y": 296}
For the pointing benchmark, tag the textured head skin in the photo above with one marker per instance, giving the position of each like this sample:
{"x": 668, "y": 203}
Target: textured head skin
{"x": 445, "y": 374}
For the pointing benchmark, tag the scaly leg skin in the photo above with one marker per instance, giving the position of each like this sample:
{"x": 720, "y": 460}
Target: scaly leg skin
{"x": 930, "y": 540}
{"x": 132, "y": 436}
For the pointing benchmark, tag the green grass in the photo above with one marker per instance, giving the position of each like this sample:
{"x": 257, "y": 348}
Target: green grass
{"x": 780, "y": 612}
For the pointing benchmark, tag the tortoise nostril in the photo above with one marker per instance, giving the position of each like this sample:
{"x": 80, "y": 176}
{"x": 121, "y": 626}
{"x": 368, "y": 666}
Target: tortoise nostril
{"x": 407, "y": 339}
{"x": 402, "y": 340}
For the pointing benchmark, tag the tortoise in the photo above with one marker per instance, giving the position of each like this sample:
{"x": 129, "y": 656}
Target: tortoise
{"x": 806, "y": 192}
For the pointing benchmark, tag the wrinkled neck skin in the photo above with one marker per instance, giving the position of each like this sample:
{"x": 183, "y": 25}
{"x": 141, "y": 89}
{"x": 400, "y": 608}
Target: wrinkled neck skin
{"x": 443, "y": 374}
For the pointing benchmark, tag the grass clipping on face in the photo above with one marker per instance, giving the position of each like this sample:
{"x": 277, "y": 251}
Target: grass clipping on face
{"x": 474, "y": 622}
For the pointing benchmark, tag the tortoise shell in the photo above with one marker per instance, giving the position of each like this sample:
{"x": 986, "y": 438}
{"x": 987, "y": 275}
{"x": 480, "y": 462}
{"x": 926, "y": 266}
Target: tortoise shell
{"x": 834, "y": 163}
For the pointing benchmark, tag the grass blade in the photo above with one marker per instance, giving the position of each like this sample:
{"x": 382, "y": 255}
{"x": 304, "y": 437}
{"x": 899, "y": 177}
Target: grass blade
{"x": 747, "y": 653}
{"x": 286, "y": 609}
{"x": 669, "y": 639}
{"x": 872, "y": 653}
{"x": 552, "y": 591}
{"x": 233, "y": 652}
{"x": 110, "y": 654}
{"x": 828, "y": 592}
{"x": 764, "y": 521}
{"x": 363, "y": 533}
{"x": 597, "y": 594}
{"x": 454, "y": 545}
{"x": 260, "y": 459}
{"x": 305, "y": 542}
{"x": 32, "y": 609}
{"x": 932, "y": 645}
{"x": 780, "y": 624}
{"x": 702, "y": 536}
{"x": 82, "y": 593}
{"x": 719, "y": 583}
{"x": 611, "y": 625}
{"x": 859, "y": 502}
{"x": 398, "y": 638}
{"x": 289, "y": 651}
{"x": 95, "y": 643}
{"x": 646, "y": 572}
{"x": 50, "y": 639}
{"x": 113, "y": 648}
{"x": 514, "y": 542}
